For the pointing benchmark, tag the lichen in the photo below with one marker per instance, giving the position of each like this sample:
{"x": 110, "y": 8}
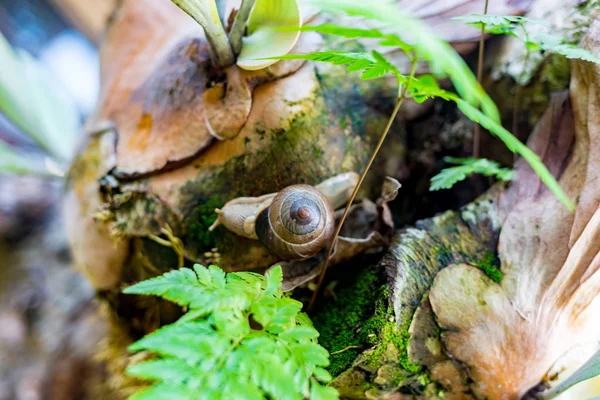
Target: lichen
{"x": 490, "y": 265}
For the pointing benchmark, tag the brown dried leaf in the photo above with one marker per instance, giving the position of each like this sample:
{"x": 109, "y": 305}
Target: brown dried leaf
{"x": 510, "y": 335}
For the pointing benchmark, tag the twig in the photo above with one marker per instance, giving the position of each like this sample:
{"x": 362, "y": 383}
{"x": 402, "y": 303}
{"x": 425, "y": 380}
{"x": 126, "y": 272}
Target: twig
{"x": 360, "y": 181}
{"x": 205, "y": 12}
{"x": 345, "y": 349}
{"x": 477, "y": 131}
{"x": 239, "y": 25}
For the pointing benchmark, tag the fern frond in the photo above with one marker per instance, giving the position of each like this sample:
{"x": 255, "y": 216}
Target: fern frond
{"x": 241, "y": 338}
{"x": 574, "y": 52}
{"x": 373, "y": 65}
{"x": 448, "y": 177}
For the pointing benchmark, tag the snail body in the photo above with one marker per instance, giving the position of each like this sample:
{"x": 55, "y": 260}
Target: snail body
{"x": 296, "y": 222}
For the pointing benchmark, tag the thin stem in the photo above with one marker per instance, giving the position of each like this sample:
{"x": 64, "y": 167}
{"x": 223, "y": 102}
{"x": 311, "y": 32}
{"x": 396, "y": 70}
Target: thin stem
{"x": 239, "y": 25}
{"x": 360, "y": 181}
{"x": 345, "y": 349}
{"x": 477, "y": 131}
{"x": 205, "y": 12}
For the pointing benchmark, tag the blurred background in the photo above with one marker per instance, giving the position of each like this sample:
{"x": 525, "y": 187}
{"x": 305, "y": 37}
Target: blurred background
{"x": 49, "y": 323}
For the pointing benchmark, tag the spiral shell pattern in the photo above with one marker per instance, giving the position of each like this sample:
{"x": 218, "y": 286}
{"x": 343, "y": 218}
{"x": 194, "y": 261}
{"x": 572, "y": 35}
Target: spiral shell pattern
{"x": 297, "y": 224}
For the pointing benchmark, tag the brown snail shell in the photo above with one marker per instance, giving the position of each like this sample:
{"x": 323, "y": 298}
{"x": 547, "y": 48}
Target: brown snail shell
{"x": 297, "y": 224}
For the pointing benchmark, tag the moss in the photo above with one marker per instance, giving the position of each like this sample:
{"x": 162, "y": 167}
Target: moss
{"x": 384, "y": 324}
{"x": 342, "y": 324}
{"x": 361, "y": 317}
{"x": 202, "y": 218}
{"x": 490, "y": 265}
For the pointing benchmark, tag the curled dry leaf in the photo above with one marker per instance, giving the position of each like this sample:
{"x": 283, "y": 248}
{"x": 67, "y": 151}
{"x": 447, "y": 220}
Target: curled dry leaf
{"x": 509, "y": 335}
{"x": 156, "y": 69}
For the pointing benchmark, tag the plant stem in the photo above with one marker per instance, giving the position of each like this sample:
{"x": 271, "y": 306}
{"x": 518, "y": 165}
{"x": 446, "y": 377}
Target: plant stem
{"x": 239, "y": 25}
{"x": 205, "y": 12}
{"x": 477, "y": 131}
{"x": 399, "y": 102}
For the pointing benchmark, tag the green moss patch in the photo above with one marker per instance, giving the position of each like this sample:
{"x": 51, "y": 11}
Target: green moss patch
{"x": 361, "y": 317}
{"x": 490, "y": 265}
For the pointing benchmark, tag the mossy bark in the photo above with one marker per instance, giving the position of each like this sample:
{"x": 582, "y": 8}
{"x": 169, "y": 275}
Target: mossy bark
{"x": 375, "y": 315}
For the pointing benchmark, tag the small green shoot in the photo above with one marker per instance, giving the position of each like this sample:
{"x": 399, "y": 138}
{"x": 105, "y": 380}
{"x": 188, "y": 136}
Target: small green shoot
{"x": 206, "y": 13}
{"x": 240, "y": 338}
{"x": 465, "y": 167}
{"x": 264, "y": 39}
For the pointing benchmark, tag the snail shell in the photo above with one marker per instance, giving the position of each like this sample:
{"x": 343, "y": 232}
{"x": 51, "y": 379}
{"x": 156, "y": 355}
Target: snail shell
{"x": 297, "y": 224}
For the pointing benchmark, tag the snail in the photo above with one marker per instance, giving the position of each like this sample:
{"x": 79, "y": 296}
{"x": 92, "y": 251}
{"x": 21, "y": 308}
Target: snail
{"x": 296, "y": 222}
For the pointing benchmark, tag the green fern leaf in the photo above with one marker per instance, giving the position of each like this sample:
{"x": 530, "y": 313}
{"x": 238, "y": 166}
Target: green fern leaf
{"x": 165, "y": 392}
{"x": 574, "y": 52}
{"x": 170, "y": 370}
{"x": 214, "y": 351}
{"x": 468, "y": 166}
{"x": 373, "y": 65}
{"x": 181, "y": 286}
{"x": 318, "y": 392}
{"x": 493, "y": 20}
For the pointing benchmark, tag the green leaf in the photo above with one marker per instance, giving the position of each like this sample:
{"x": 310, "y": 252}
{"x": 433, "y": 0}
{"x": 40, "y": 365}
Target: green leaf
{"x": 515, "y": 145}
{"x": 448, "y": 177}
{"x": 318, "y": 392}
{"x": 589, "y": 370}
{"x": 274, "y": 280}
{"x": 32, "y": 100}
{"x": 14, "y": 162}
{"x": 299, "y": 334}
{"x": 574, "y": 52}
{"x": 265, "y": 38}
{"x": 170, "y": 370}
{"x": 487, "y": 19}
{"x": 164, "y": 392}
{"x": 181, "y": 286}
{"x": 373, "y": 65}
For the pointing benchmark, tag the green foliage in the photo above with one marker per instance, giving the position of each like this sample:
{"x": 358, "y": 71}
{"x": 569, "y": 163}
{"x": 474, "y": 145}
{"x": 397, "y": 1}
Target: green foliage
{"x": 240, "y": 338}
{"x": 465, "y": 167}
{"x": 589, "y": 370}
{"x": 423, "y": 42}
{"x": 515, "y": 145}
{"x": 30, "y": 99}
{"x": 372, "y": 65}
{"x": 517, "y": 26}
{"x": 420, "y": 43}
